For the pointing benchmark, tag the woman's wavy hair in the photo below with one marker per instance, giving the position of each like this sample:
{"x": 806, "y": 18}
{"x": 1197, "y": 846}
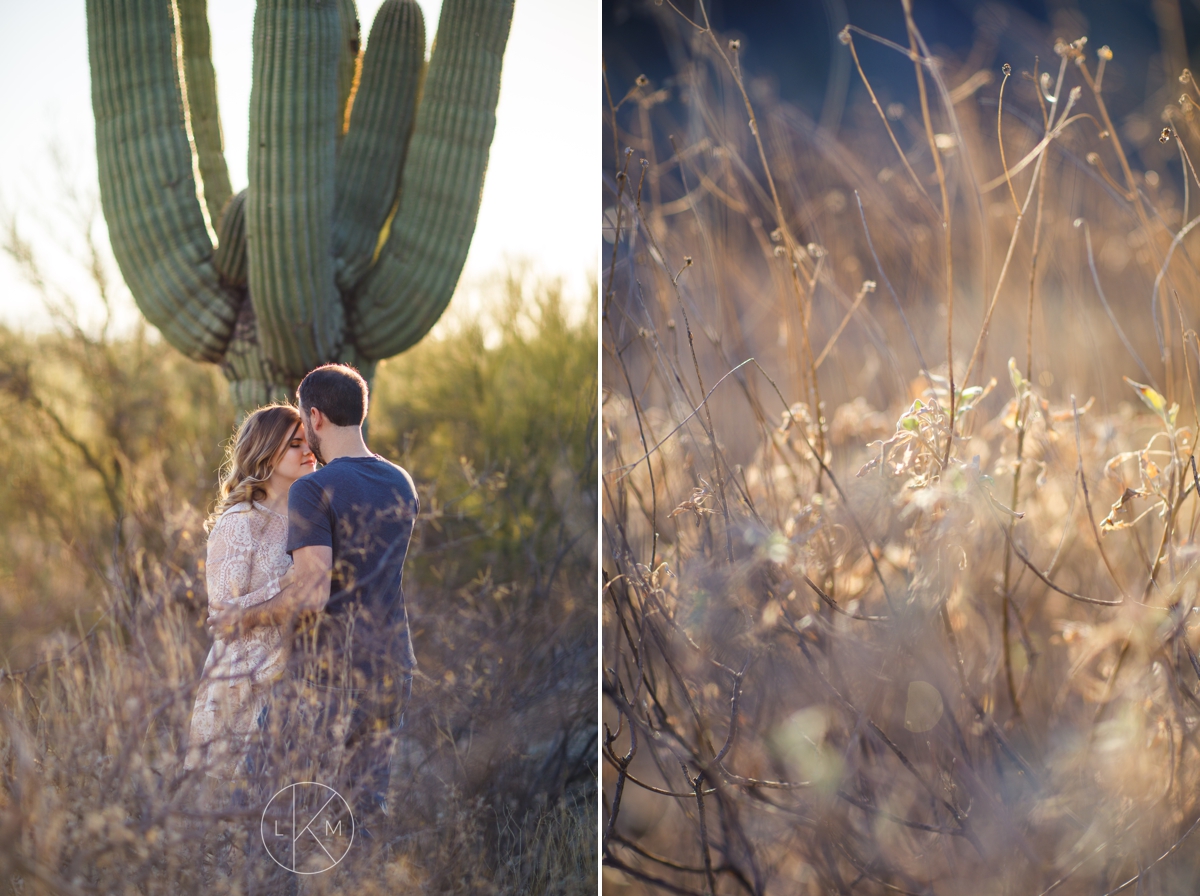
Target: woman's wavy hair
{"x": 251, "y": 455}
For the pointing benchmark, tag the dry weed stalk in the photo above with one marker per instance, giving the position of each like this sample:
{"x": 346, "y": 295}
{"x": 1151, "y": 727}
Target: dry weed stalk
{"x": 950, "y": 672}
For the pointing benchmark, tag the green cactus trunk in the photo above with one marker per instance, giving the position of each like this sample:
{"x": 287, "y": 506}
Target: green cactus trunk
{"x": 289, "y": 203}
{"x": 364, "y": 180}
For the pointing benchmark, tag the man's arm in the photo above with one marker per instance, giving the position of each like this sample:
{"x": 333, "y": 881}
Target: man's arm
{"x": 308, "y": 591}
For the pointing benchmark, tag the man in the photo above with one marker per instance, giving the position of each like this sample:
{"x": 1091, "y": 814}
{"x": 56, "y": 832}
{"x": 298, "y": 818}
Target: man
{"x": 349, "y": 525}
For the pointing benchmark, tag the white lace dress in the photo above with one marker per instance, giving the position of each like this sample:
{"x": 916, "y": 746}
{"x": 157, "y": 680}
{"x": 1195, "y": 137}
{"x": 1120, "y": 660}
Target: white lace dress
{"x": 246, "y": 559}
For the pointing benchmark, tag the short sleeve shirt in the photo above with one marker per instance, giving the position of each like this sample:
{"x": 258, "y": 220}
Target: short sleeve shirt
{"x": 363, "y": 508}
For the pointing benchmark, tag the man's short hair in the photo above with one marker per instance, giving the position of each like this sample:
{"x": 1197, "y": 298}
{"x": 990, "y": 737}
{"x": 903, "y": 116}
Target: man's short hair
{"x": 336, "y": 390}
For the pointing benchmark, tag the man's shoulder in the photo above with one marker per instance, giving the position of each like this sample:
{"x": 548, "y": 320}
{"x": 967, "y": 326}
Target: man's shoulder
{"x": 353, "y": 479}
{"x": 402, "y": 479}
{"x": 392, "y": 483}
{"x": 373, "y": 467}
{"x": 318, "y": 477}
{"x": 395, "y": 469}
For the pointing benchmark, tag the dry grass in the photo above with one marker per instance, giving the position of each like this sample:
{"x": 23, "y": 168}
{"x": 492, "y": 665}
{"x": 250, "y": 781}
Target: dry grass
{"x": 114, "y": 446}
{"x": 886, "y": 611}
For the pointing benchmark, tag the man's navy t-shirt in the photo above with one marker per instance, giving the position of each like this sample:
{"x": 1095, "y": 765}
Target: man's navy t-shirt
{"x": 364, "y": 509}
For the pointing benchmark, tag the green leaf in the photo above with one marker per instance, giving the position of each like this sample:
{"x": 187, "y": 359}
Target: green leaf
{"x": 1153, "y": 400}
{"x": 1018, "y": 381}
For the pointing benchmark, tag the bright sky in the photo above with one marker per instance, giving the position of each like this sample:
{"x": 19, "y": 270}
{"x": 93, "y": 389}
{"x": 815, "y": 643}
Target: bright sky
{"x": 538, "y": 200}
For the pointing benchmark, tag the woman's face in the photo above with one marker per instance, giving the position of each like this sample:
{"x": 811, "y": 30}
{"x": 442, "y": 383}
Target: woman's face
{"x": 296, "y": 461}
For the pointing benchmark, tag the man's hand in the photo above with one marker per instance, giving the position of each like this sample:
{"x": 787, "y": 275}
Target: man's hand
{"x": 226, "y": 623}
{"x": 286, "y": 581}
{"x": 234, "y": 621}
{"x": 305, "y": 588}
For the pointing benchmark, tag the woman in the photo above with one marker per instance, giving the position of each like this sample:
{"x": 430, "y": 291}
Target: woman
{"x": 246, "y": 562}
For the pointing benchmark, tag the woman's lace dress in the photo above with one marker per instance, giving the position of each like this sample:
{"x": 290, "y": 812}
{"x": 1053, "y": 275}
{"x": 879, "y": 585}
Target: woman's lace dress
{"x": 246, "y": 559}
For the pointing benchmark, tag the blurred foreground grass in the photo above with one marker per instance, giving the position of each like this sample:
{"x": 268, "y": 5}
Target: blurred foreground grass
{"x": 112, "y": 448}
{"x": 891, "y": 604}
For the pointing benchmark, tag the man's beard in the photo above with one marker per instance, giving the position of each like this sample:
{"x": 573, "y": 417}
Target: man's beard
{"x": 314, "y": 443}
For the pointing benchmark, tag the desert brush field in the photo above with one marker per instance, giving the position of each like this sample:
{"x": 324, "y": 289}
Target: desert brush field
{"x": 899, "y": 478}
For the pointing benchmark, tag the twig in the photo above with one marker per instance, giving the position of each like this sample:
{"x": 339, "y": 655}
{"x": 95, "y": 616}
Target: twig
{"x": 1029, "y": 563}
{"x": 847, "y": 38}
{"x": 947, "y": 233}
{"x": 697, "y": 784}
{"x": 1007, "y": 69}
{"x": 629, "y": 466}
{"x": 1087, "y": 235}
{"x": 891, "y": 291}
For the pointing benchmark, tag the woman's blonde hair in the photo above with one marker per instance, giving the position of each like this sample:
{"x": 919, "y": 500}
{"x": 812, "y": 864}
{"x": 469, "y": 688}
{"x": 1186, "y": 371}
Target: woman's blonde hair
{"x": 251, "y": 456}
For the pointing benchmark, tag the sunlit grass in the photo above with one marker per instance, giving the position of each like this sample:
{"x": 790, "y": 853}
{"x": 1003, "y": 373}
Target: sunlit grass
{"x": 885, "y": 610}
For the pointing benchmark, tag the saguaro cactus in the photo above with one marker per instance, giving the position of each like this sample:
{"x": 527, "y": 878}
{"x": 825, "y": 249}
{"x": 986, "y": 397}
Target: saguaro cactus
{"x": 365, "y": 177}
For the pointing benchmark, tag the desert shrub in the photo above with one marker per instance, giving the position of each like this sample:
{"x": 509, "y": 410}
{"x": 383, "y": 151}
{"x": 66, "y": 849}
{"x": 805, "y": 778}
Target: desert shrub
{"x": 116, "y": 441}
{"x": 501, "y": 436}
{"x": 885, "y": 611}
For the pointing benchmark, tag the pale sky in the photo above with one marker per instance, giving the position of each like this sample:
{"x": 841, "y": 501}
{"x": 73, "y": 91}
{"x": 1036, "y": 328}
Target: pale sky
{"x": 538, "y": 199}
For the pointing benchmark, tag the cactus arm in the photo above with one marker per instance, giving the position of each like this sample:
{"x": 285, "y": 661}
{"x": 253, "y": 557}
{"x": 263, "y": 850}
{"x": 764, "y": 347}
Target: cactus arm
{"x": 201, "y": 81}
{"x": 230, "y": 257}
{"x": 289, "y": 202}
{"x": 408, "y": 288}
{"x": 147, "y": 187}
{"x": 372, "y": 156}
{"x": 348, "y": 61}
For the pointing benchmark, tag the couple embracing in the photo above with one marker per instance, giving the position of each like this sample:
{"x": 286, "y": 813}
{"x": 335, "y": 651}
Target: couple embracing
{"x": 311, "y": 665}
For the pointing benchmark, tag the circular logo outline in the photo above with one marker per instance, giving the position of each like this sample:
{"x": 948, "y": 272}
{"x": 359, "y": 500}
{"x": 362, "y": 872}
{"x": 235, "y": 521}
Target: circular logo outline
{"x": 292, "y": 787}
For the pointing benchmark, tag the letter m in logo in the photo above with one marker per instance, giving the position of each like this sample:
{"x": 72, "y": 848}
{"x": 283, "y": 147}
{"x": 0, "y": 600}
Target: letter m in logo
{"x": 329, "y": 831}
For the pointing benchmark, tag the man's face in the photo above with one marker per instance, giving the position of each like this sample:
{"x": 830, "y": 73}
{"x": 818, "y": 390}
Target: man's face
{"x": 314, "y": 441}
